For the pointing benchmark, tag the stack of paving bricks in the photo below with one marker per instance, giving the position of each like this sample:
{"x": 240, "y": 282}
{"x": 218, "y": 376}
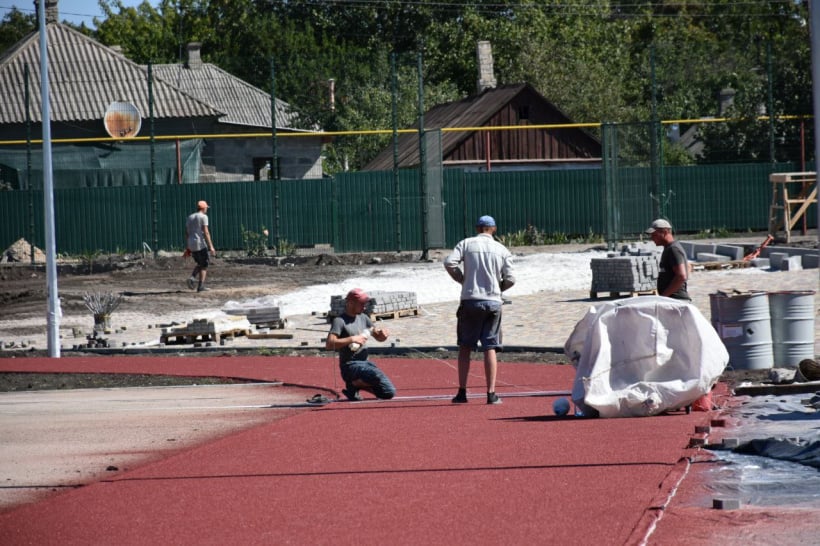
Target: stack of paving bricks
{"x": 207, "y": 329}
{"x": 262, "y": 317}
{"x": 632, "y": 274}
{"x": 382, "y": 305}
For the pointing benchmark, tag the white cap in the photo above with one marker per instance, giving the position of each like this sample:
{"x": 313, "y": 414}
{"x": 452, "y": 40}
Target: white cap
{"x": 660, "y": 223}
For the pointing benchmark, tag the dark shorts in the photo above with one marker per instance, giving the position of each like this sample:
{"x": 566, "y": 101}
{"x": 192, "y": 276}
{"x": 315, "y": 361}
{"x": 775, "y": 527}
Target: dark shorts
{"x": 368, "y": 372}
{"x": 479, "y": 320}
{"x": 201, "y": 258}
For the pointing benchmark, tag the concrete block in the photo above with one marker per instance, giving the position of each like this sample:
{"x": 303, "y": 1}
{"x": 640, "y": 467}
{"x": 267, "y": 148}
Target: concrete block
{"x": 790, "y": 250}
{"x": 725, "y": 504}
{"x": 776, "y": 257}
{"x": 711, "y": 257}
{"x": 697, "y": 248}
{"x": 811, "y": 261}
{"x": 696, "y": 441}
{"x": 761, "y": 263}
{"x": 734, "y": 252}
{"x": 791, "y": 263}
{"x": 688, "y": 247}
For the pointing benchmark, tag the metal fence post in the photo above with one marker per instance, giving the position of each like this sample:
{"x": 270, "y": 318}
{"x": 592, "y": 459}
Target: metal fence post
{"x": 394, "y": 92}
{"x": 154, "y": 219}
{"x": 609, "y": 173}
{"x": 422, "y": 164}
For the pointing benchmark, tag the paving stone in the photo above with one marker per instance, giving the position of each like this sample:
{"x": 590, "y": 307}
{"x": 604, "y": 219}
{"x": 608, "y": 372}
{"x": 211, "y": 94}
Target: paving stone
{"x": 791, "y": 263}
{"x": 710, "y": 257}
{"x": 732, "y": 251}
{"x": 776, "y": 257}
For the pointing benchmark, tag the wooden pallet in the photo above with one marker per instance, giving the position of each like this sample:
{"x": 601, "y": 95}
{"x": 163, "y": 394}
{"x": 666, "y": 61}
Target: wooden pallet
{"x": 623, "y": 294}
{"x": 189, "y": 337}
{"x": 273, "y": 324}
{"x": 394, "y": 314}
{"x": 269, "y": 335}
{"x": 382, "y": 316}
{"x": 712, "y": 266}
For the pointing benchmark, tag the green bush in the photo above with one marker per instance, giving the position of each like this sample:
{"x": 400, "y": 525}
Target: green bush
{"x": 255, "y": 243}
{"x": 532, "y": 236}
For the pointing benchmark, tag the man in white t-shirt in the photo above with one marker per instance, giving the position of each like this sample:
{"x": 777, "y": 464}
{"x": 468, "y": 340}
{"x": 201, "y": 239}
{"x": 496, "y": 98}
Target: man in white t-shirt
{"x": 484, "y": 268}
{"x": 198, "y": 243}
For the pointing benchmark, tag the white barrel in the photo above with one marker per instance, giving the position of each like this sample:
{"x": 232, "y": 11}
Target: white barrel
{"x": 743, "y": 324}
{"x": 792, "y": 315}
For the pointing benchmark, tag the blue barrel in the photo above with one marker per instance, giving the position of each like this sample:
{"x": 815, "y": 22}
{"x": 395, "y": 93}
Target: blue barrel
{"x": 743, "y": 324}
{"x": 792, "y": 315}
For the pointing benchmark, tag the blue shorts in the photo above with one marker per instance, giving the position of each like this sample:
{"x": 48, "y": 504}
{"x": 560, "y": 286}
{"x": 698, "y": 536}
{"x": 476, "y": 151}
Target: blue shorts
{"x": 479, "y": 320}
{"x": 368, "y": 372}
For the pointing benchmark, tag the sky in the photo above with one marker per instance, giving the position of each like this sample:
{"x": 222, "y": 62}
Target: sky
{"x": 74, "y": 11}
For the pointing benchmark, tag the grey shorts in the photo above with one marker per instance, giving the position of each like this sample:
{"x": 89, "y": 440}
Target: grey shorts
{"x": 479, "y": 320}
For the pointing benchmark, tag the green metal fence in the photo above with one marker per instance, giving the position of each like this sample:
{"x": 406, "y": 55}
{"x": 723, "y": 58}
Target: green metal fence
{"x": 365, "y": 212}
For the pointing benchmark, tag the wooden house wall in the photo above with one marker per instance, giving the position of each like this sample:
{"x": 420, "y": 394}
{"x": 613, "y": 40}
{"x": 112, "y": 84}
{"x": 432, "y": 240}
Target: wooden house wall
{"x": 535, "y": 144}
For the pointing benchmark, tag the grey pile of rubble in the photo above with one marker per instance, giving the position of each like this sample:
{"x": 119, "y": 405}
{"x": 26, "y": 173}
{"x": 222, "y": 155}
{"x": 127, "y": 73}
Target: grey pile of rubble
{"x": 20, "y": 252}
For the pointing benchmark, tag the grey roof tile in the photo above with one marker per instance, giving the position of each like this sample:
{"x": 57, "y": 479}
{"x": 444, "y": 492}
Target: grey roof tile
{"x": 242, "y": 103}
{"x": 85, "y": 77}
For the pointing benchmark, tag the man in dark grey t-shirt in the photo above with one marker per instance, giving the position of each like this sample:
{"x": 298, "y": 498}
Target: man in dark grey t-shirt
{"x": 673, "y": 268}
{"x": 349, "y": 333}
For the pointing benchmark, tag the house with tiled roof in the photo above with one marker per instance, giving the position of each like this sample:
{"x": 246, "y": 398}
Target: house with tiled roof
{"x": 515, "y": 106}
{"x": 247, "y": 109}
{"x": 87, "y": 79}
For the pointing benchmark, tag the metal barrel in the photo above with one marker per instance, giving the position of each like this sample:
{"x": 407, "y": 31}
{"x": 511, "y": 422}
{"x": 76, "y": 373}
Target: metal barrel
{"x": 792, "y": 315}
{"x": 743, "y": 324}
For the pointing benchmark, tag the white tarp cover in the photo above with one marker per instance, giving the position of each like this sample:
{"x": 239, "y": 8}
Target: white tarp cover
{"x": 642, "y": 356}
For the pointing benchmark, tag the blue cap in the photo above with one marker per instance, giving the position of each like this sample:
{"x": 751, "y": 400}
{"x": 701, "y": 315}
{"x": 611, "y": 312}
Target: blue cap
{"x": 485, "y": 221}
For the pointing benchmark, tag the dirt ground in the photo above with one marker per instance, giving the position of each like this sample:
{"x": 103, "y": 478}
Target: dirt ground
{"x": 155, "y": 287}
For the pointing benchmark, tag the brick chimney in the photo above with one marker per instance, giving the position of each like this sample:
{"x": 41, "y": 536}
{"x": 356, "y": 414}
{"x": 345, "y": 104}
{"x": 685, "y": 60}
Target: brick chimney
{"x": 194, "y": 61}
{"x": 52, "y": 12}
{"x": 486, "y": 76}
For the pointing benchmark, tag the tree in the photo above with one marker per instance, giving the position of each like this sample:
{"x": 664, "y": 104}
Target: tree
{"x": 14, "y": 27}
{"x": 611, "y": 61}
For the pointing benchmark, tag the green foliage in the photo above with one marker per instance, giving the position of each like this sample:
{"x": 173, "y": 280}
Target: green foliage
{"x": 611, "y": 61}
{"x": 285, "y": 248}
{"x": 15, "y": 26}
{"x": 532, "y": 236}
{"x": 88, "y": 257}
{"x": 714, "y": 233}
{"x": 676, "y": 155}
{"x": 255, "y": 243}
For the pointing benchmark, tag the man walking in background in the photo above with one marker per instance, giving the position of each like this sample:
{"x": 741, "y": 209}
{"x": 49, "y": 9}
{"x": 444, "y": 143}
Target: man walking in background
{"x": 673, "y": 269}
{"x": 198, "y": 243}
{"x": 484, "y": 268}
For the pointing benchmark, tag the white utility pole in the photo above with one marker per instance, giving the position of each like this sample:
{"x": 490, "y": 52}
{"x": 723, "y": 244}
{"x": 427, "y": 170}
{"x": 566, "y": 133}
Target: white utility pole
{"x": 54, "y": 313}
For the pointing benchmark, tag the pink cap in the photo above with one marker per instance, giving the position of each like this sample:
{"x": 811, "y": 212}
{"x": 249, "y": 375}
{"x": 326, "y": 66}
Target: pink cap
{"x": 359, "y": 295}
{"x": 201, "y": 205}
